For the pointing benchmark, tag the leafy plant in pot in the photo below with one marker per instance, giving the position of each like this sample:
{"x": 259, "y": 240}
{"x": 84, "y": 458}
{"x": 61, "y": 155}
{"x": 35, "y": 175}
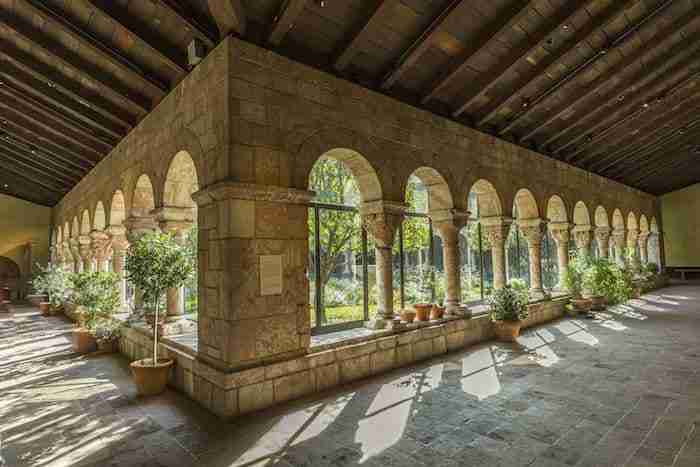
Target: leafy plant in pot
{"x": 573, "y": 282}
{"x": 97, "y": 296}
{"x": 508, "y": 309}
{"x": 154, "y": 264}
{"x": 54, "y": 282}
{"x": 106, "y": 332}
{"x": 598, "y": 282}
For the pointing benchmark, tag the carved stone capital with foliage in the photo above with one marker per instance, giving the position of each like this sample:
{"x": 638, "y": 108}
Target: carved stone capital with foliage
{"x": 560, "y": 232}
{"x": 582, "y": 236}
{"x": 532, "y": 230}
{"x": 496, "y": 229}
{"x": 449, "y": 223}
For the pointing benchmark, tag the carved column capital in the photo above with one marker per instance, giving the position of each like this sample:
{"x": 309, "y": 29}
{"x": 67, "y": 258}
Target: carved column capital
{"x": 381, "y": 219}
{"x": 582, "y": 236}
{"x": 496, "y": 229}
{"x": 85, "y": 247}
{"x": 602, "y": 235}
{"x": 643, "y": 238}
{"x": 532, "y": 230}
{"x": 632, "y": 236}
{"x": 449, "y": 222}
{"x": 101, "y": 243}
{"x": 119, "y": 240}
{"x": 136, "y": 227}
{"x": 619, "y": 237}
{"x": 560, "y": 232}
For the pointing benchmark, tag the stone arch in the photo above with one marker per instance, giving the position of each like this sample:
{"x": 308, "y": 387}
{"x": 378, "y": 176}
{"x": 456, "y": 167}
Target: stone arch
{"x": 85, "y": 224}
{"x": 556, "y": 209}
{"x": 601, "y": 217}
{"x": 76, "y": 228}
{"x": 143, "y": 197}
{"x": 643, "y": 224}
{"x": 59, "y": 235}
{"x": 618, "y": 220}
{"x": 525, "y": 205}
{"x": 488, "y": 200}
{"x": 181, "y": 181}
{"x": 582, "y": 216}
{"x": 439, "y": 196}
{"x": 653, "y": 225}
{"x": 117, "y": 209}
{"x": 632, "y": 221}
{"x": 363, "y": 173}
{"x": 66, "y": 231}
{"x": 99, "y": 219}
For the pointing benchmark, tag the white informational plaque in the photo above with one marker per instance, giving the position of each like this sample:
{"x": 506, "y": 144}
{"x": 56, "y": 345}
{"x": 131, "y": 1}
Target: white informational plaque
{"x": 270, "y": 274}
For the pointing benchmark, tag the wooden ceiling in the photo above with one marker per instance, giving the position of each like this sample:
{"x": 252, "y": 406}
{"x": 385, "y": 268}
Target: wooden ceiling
{"x": 610, "y": 86}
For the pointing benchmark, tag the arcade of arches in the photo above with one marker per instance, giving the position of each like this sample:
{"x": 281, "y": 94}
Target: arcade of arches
{"x": 319, "y": 220}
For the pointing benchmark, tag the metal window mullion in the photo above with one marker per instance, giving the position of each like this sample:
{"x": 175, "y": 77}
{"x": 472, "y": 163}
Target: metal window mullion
{"x": 481, "y": 261}
{"x": 365, "y": 275}
{"x": 401, "y": 267}
{"x": 431, "y": 252}
{"x": 317, "y": 235}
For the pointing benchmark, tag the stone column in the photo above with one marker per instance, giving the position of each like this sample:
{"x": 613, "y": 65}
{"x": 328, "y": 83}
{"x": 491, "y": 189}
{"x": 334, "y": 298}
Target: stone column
{"x": 381, "y": 219}
{"x": 533, "y": 231}
{"x": 643, "y": 247}
{"x": 253, "y": 286}
{"x": 75, "y": 250}
{"x": 177, "y": 222}
{"x": 86, "y": 253}
{"x": 68, "y": 262}
{"x": 560, "y": 234}
{"x": 101, "y": 244}
{"x": 632, "y": 238}
{"x": 496, "y": 229}
{"x": 582, "y": 237}
{"x": 119, "y": 246}
{"x": 136, "y": 227}
{"x": 448, "y": 225}
{"x": 602, "y": 236}
{"x": 618, "y": 236}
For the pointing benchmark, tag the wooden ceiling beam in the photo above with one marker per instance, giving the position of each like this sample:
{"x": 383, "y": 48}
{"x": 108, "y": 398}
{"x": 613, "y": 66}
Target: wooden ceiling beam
{"x": 376, "y": 12}
{"x": 621, "y": 39}
{"x": 60, "y": 120}
{"x": 688, "y": 175}
{"x": 8, "y": 166}
{"x": 656, "y": 169}
{"x": 505, "y": 20}
{"x": 40, "y": 171}
{"x": 106, "y": 83}
{"x": 86, "y": 39}
{"x": 36, "y": 155}
{"x": 192, "y": 21}
{"x": 563, "y": 16}
{"x": 173, "y": 58}
{"x": 34, "y": 122}
{"x": 229, "y": 16}
{"x": 647, "y": 92}
{"x": 285, "y": 19}
{"x": 32, "y": 138}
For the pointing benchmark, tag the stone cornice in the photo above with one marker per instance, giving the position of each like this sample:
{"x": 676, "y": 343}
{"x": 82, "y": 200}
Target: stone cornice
{"x": 250, "y": 191}
{"x": 381, "y": 206}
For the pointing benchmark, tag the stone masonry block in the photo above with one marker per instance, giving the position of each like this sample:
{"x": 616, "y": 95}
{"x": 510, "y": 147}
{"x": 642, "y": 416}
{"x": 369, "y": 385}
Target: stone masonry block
{"x": 423, "y": 349}
{"x": 327, "y": 376}
{"x": 404, "y": 355}
{"x": 354, "y": 369}
{"x": 294, "y": 386}
{"x": 382, "y": 360}
{"x": 255, "y": 397}
{"x": 354, "y": 351}
{"x": 455, "y": 340}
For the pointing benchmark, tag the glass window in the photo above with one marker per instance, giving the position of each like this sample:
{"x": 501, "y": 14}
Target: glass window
{"x": 190, "y": 288}
{"x": 550, "y": 264}
{"x": 517, "y": 256}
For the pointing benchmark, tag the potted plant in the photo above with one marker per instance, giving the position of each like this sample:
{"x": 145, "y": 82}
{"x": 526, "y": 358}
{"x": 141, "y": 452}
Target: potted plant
{"x": 106, "y": 332}
{"x": 598, "y": 279}
{"x": 408, "y": 315}
{"x": 573, "y": 282}
{"x": 154, "y": 264}
{"x": 508, "y": 309}
{"x": 437, "y": 311}
{"x": 52, "y": 281}
{"x": 97, "y": 296}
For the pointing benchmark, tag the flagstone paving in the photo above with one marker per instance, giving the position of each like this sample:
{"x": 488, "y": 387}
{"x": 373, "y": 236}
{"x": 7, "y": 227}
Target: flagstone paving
{"x": 621, "y": 390}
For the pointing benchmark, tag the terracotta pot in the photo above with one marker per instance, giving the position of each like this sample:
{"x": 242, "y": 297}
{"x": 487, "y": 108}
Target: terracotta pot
{"x": 423, "y": 311}
{"x": 108, "y": 346}
{"x": 83, "y": 342}
{"x": 45, "y": 308}
{"x": 408, "y": 315}
{"x": 507, "y": 331}
{"x": 150, "y": 380}
{"x": 437, "y": 312}
{"x": 581, "y": 304}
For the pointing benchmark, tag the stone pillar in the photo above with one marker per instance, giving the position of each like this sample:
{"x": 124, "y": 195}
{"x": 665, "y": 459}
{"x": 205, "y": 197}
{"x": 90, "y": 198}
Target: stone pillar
{"x": 119, "y": 246}
{"x": 101, "y": 245}
{"x": 632, "y": 238}
{"x": 75, "y": 250}
{"x": 533, "y": 231}
{"x": 68, "y": 262}
{"x": 177, "y": 222}
{"x": 582, "y": 237}
{"x": 560, "y": 234}
{"x": 136, "y": 227}
{"x": 86, "y": 253}
{"x": 448, "y": 225}
{"x": 619, "y": 240}
{"x": 602, "y": 236}
{"x": 643, "y": 248}
{"x": 253, "y": 286}
{"x": 381, "y": 219}
{"x": 496, "y": 229}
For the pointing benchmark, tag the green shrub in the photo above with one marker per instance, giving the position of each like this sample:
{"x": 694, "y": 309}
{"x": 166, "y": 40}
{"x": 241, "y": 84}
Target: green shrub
{"x": 519, "y": 285}
{"x": 97, "y": 293}
{"x": 573, "y": 276}
{"x": 508, "y": 304}
{"x": 599, "y": 278}
{"x": 651, "y": 268}
{"x": 53, "y": 281}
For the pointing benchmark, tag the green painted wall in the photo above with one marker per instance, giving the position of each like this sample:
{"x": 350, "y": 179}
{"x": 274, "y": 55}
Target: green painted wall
{"x": 680, "y": 211}
{"x": 22, "y": 223}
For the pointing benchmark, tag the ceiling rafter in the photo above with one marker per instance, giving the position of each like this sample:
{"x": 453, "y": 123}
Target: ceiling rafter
{"x": 191, "y": 21}
{"x": 505, "y": 20}
{"x": 379, "y": 9}
{"x": 59, "y": 20}
{"x": 285, "y": 19}
{"x": 650, "y": 87}
{"x": 26, "y": 153}
{"x": 570, "y": 10}
{"x": 172, "y": 57}
{"x": 5, "y": 165}
{"x": 229, "y": 15}
{"x": 654, "y": 169}
{"x": 687, "y": 169}
{"x": 43, "y": 171}
{"x": 621, "y": 39}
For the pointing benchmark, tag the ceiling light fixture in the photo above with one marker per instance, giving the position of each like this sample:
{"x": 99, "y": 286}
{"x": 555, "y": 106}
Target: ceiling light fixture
{"x": 526, "y": 103}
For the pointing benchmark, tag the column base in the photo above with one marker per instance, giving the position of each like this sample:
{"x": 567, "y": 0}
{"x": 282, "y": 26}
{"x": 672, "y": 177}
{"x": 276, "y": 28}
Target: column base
{"x": 458, "y": 311}
{"x": 175, "y": 325}
{"x": 382, "y": 323}
{"x": 537, "y": 294}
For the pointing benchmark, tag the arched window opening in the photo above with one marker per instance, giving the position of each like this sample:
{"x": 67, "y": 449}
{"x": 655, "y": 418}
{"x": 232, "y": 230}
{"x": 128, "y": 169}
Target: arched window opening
{"x": 517, "y": 256}
{"x": 550, "y": 262}
{"x": 476, "y": 265}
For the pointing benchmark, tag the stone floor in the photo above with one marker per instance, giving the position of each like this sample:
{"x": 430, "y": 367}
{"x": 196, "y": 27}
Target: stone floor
{"x": 621, "y": 390}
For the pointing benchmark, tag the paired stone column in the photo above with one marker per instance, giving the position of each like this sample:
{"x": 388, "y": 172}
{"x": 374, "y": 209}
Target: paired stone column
{"x": 136, "y": 227}
{"x": 177, "y": 222}
{"x": 642, "y": 241}
{"x": 582, "y": 237}
{"x": 619, "y": 239}
{"x": 119, "y": 246}
{"x": 381, "y": 219}
{"x": 533, "y": 231}
{"x": 496, "y": 229}
{"x": 101, "y": 245}
{"x": 632, "y": 238}
{"x": 68, "y": 262}
{"x": 560, "y": 234}
{"x": 448, "y": 224}
{"x": 602, "y": 236}
{"x": 253, "y": 285}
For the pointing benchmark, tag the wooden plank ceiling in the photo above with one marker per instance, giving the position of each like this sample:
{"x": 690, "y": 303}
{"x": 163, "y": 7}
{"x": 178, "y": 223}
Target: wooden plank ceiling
{"x": 610, "y": 86}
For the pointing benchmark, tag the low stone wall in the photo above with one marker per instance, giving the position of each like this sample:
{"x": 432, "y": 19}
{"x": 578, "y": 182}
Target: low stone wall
{"x": 232, "y": 394}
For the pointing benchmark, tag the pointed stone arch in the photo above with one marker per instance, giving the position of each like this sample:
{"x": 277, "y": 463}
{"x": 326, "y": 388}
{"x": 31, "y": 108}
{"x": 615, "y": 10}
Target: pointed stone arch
{"x": 181, "y": 181}
{"x": 618, "y": 220}
{"x": 643, "y": 224}
{"x": 99, "y": 218}
{"x": 632, "y": 221}
{"x": 143, "y": 197}
{"x": 525, "y": 205}
{"x": 556, "y": 209}
{"x": 653, "y": 225}
{"x": 85, "y": 224}
{"x": 488, "y": 201}
{"x": 601, "y": 217}
{"x": 66, "y": 231}
{"x": 75, "y": 233}
{"x": 582, "y": 216}
{"x": 117, "y": 209}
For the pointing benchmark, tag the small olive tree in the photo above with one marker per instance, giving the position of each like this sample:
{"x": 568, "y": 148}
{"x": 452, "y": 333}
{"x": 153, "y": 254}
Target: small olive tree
{"x": 154, "y": 264}
{"x": 54, "y": 281}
